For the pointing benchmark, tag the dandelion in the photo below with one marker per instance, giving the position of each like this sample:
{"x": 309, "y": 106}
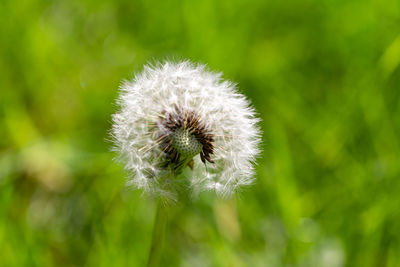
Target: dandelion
{"x": 180, "y": 116}
{"x": 182, "y": 127}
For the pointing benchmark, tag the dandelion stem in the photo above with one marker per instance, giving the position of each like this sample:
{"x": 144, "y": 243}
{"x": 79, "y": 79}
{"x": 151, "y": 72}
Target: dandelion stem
{"x": 157, "y": 243}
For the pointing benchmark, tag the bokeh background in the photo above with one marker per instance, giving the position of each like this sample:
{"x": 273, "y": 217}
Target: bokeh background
{"x": 323, "y": 74}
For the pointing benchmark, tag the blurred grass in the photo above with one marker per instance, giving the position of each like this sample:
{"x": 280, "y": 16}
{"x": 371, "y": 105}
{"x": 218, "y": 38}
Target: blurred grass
{"x": 323, "y": 75}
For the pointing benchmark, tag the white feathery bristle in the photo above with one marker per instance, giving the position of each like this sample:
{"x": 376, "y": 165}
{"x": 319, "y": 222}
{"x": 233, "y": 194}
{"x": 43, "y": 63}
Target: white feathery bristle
{"x": 225, "y": 112}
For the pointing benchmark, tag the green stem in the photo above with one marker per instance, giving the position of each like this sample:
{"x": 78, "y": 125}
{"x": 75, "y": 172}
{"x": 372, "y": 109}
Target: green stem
{"x": 157, "y": 243}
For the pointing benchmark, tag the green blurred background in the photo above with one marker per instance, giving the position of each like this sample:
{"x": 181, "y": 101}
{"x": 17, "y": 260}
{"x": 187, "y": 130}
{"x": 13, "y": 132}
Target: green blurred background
{"x": 324, "y": 76}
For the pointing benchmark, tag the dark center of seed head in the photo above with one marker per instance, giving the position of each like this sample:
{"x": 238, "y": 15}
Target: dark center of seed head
{"x": 186, "y": 143}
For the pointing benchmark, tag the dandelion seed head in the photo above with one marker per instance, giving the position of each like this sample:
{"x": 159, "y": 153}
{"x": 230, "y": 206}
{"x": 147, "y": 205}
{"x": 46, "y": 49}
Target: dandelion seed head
{"x": 178, "y": 115}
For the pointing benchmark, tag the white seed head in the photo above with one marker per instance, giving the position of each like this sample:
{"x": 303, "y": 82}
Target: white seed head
{"x": 175, "y": 115}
